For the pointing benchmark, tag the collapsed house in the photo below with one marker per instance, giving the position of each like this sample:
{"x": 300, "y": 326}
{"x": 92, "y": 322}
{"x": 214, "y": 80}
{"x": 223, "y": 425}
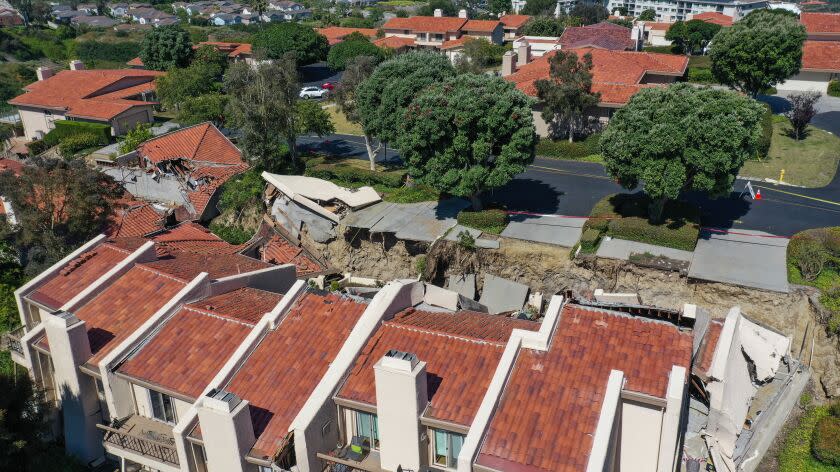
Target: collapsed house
{"x": 182, "y": 170}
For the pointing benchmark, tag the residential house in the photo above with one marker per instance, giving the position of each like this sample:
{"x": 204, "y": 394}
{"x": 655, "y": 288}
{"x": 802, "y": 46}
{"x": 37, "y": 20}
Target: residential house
{"x": 89, "y": 8}
{"x": 713, "y": 17}
{"x": 821, "y": 26}
{"x": 489, "y": 30}
{"x": 234, "y": 51}
{"x": 286, "y": 5}
{"x": 118, "y": 10}
{"x": 528, "y": 47}
{"x": 151, "y": 16}
{"x": 669, "y": 11}
{"x": 96, "y": 21}
{"x": 396, "y": 43}
{"x": 336, "y": 34}
{"x": 426, "y": 31}
{"x": 616, "y": 76}
{"x": 655, "y": 33}
{"x": 226, "y": 19}
{"x": 10, "y": 17}
{"x": 604, "y": 35}
{"x": 513, "y": 25}
{"x": 63, "y": 17}
{"x": 120, "y": 98}
{"x": 820, "y": 65}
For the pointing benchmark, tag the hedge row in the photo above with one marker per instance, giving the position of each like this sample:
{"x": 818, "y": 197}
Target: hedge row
{"x": 122, "y": 51}
{"x": 834, "y": 88}
{"x": 639, "y": 229}
{"x": 66, "y": 128}
{"x": 324, "y": 169}
{"x": 826, "y": 441}
{"x": 766, "y": 132}
{"x": 563, "y": 149}
{"x": 490, "y": 221}
{"x": 589, "y": 240}
{"x": 70, "y": 145}
{"x": 701, "y": 75}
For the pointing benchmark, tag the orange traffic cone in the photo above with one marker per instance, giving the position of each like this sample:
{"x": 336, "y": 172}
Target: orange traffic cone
{"x": 758, "y": 194}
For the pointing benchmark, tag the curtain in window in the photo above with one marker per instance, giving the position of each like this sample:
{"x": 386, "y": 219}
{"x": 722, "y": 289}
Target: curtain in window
{"x": 440, "y": 447}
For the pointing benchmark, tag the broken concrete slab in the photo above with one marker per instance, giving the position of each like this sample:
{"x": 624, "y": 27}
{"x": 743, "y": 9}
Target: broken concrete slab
{"x": 464, "y": 284}
{"x": 502, "y": 295}
{"x": 441, "y": 297}
{"x": 550, "y": 229}
{"x": 424, "y": 221}
{"x": 614, "y": 248}
{"x": 482, "y": 243}
{"x": 748, "y": 258}
{"x": 321, "y": 190}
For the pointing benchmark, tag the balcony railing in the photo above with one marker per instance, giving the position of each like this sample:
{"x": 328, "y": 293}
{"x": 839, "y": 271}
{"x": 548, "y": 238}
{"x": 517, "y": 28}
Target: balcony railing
{"x": 144, "y": 436}
{"x": 11, "y": 340}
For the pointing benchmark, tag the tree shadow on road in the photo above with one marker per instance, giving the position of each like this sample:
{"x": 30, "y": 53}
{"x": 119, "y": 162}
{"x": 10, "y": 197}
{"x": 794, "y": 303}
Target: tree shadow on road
{"x": 523, "y": 194}
{"x": 721, "y": 212}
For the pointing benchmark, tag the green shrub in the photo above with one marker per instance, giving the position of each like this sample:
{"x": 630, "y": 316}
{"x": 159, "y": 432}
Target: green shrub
{"x": 659, "y": 49}
{"x": 809, "y": 256}
{"x": 766, "y": 132}
{"x": 639, "y": 229}
{"x": 37, "y": 147}
{"x": 420, "y": 265}
{"x": 66, "y": 128}
{"x": 70, "y": 145}
{"x": 701, "y": 75}
{"x": 796, "y": 452}
{"x": 562, "y": 149}
{"x": 826, "y": 440}
{"x": 231, "y": 234}
{"x": 466, "y": 240}
{"x": 834, "y": 409}
{"x": 489, "y": 221}
{"x": 834, "y": 88}
{"x": 329, "y": 169}
{"x": 413, "y": 194}
{"x": 830, "y": 299}
{"x": 122, "y": 51}
{"x": 593, "y": 143}
{"x": 589, "y": 240}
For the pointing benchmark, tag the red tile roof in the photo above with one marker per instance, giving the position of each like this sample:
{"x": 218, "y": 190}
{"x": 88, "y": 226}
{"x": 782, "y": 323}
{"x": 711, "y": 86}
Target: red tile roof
{"x": 395, "y": 42}
{"x": 550, "y": 406}
{"x": 203, "y": 143}
{"x": 231, "y": 49}
{"x": 279, "y": 251}
{"x": 76, "y": 275}
{"x": 133, "y": 218}
{"x": 430, "y": 24}
{"x": 186, "y": 266}
{"x": 136, "y": 62}
{"x": 11, "y": 165}
{"x": 480, "y": 26}
{"x": 91, "y": 94}
{"x": 603, "y": 35}
{"x": 192, "y": 346}
{"x": 714, "y": 18}
{"x": 455, "y": 43}
{"x": 287, "y": 365}
{"x": 461, "y": 351}
{"x": 616, "y": 75}
{"x": 336, "y": 34}
{"x": 658, "y": 26}
{"x": 707, "y": 349}
{"x": 821, "y": 56}
{"x": 194, "y": 238}
{"x": 514, "y": 21}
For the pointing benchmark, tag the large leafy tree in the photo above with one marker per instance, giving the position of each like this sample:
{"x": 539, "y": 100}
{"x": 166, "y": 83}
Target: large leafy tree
{"x": 758, "y": 52}
{"x": 567, "y": 93}
{"x": 681, "y": 138}
{"x": 382, "y": 98}
{"x": 647, "y": 15}
{"x": 539, "y": 7}
{"x": 354, "y": 45}
{"x": 499, "y": 6}
{"x": 166, "y": 47}
{"x": 357, "y": 71}
{"x": 544, "y": 26}
{"x": 589, "y": 13}
{"x": 263, "y": 105}
{"x": 479, "y": 54}
{"x": 691, "y": 36}
{"x": 275, "y": 41}
{"x": 207, "y": 107}
{"x": 180, "y": 84}
{"x": 446, "y": 6}
{"x": 468, "y": 134}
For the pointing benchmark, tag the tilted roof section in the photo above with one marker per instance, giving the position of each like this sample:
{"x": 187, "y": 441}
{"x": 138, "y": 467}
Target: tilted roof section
{"x": 514, "y": 21}
{"x": 549, "y": 409}
{"x": 133, "y": 218}
{"x": 98, "y": 94}
{"x": 281, "y": 373}
{"x": 77, "y": 274}
{"x": 461, "y": 351}
{"x": 279, "y": 251}
{"x": 336, "y": 34}
{"x": 203, "y": 143}
{"x": 714, "y": 17}
{"x": 603, "y": 35}
{"x": 480, "y": 26}
{"x": 431, "y": 24}
{"x": 820, "y": 22}
{"x": 821, "y": 56}
{"x": 194, "y": 238}
{"x": 186, "y": 266}
{"x": 192, "y": 346}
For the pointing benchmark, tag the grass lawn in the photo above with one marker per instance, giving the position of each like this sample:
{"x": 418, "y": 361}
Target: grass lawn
{"x": 342, "y": 126}
{"x": 811, "y": 162}
{"x": 796, "y": 453}
{"x": 700, "y": 61}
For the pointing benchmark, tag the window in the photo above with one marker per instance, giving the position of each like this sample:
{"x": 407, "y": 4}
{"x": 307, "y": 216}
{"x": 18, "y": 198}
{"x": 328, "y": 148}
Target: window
{"x": 446, "y": 446}
{"x": 367, "y": 426}
{"x": 162, "y": 407}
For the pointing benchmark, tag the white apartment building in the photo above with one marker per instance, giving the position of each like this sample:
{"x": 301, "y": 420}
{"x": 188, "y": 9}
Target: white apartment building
{"x": 670, "y": 11}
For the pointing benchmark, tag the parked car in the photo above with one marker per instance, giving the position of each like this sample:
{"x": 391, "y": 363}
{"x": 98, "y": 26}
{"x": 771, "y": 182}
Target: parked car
{"x": 327, "y": 86}
{"x": 313, "y": 92}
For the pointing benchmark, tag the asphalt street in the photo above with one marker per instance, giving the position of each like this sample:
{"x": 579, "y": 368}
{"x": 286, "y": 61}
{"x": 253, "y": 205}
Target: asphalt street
{"x": 571, "y": 188}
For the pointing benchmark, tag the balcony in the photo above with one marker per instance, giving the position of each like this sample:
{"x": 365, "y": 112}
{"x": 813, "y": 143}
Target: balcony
{"x": 143, "y": 437}
{"x": 340, "y": 460}
{"x": 12, "y": 340}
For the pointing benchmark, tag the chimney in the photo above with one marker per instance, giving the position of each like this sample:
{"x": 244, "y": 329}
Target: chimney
{"x": 77, "y": 65}
{"x": 227, "y": 430}
{"x": 401, "y": 397}
{"x": 462, "y": 14}
{"x": 637, "y": 34}
{"x": 438, "y": 12}
{"x": 44, "y": 73}
{"x": 508, "y": 63}
{"x": 523, "y": 53}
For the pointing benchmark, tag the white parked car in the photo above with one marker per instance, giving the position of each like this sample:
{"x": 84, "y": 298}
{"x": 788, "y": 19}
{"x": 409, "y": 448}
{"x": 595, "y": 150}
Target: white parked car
{"x": 313, "y": 92}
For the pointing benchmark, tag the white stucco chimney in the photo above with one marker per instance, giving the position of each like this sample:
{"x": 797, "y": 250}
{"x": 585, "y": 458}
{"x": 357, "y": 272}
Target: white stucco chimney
{"x": 401, "y": 397}
{"x": 523, "y": 53}
{"x": 508, "y": 63}
{"x": 438, "y": 12}
{"x": 227, "y": 431}
{"x": 44, "y": 73}
{"x": 77, "y": 65}
{"x": 462, "y": 13}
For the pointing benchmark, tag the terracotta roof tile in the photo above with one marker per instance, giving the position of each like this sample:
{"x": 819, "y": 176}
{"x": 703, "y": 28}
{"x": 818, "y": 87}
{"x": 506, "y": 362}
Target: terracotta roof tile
{"x": 707, "y": 349}
{"x": 461, "y": 351}
{"x": 246, "y": 304}
{"x": 550, "y": 407}
{"x": 658, "y": 26}
{"x": 455, "y": 43}
{"x": 289, "y": 362}
{"x": 432, "y": 24}
{"x": 394, "y": 42}
{"x": 603, "y": 35}
{"x": 714, "y": 17}
{"x": 202, "y": 142}
{"x": 821, "y": 55}
{"x": 194, "y": 238}
{"x": 136, "y": 62}
{"x": 279, "y": 251}
{"x": 480, "y": 26}
{"x": 514, "y": 21}
{"x": 186, "y": 266}
{"x": 77, "y": 274}
{"x": 336, "y": 34}
{"x": 133, "y": 218}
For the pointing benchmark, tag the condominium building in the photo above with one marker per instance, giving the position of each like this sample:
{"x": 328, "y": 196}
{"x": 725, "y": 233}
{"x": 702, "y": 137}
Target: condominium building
{"x": 670, "y": 11}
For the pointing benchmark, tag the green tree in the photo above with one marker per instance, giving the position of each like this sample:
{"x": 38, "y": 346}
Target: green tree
{"x": 568, "y": 92}
{"x": 589, "y": 14}
{"x": 544, "y": 26}
{"x": 499, "y": 6}
{"x": 691, "y": 36}
{"x": 166, "y": 47}
{"x": 540, "y": 7}
{"x": 180, "y": 84}
{"x": 356, "y": 22}
{"x": 758, "y": 52}
{"x": 276, "y": 40}
{"x": 479, "y": 54}
{"x": 210, "y": 56}
{"x": 207, "y": 107}
{"x": 140, "y": 134}
{"x": 25, "y": 8}
{"x": 447, "y": 7}
{"x": 358, "y": 70}
{"x": 681, "y": 138}
{"x": 23, "y": 421}
{"x": 341, "y": 54}
{"x": 647, "y": 15}
{"x": 468, "y": 134}
{"x": 259, "y": 6}
{"x": 263, "y": 104}
{"x": 383, "y": 98}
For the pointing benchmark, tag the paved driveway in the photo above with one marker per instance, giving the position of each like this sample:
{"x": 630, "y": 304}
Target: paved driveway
{"x": 828, "y": 110}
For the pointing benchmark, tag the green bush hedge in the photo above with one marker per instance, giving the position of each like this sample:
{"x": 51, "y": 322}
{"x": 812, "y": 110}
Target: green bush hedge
{"x": 329, "y": 169}
{"x": 70, "y": 145}
{"x": 766, "y": 132}
{"x": 639, "y": 229}
{"x": 659, "y": 49}
{"x": 701, "y": 75}
{"x": 826, "y": 440}
{"x": 121, "y": 51}
{"x": 37, "y": 147}
{"x": 67, "y": 128}
{"x": 489, "y": 221}
{"x": 563, "y": 149}
{"x": 834, "y": 88}
{"x": 589, "y": 240}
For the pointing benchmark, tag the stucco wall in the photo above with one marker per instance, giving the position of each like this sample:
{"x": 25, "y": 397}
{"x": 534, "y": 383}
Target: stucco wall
{"x": 641, "y": 426}
{"x": 37, "y": 123}
{"x": 128, "y": 120}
